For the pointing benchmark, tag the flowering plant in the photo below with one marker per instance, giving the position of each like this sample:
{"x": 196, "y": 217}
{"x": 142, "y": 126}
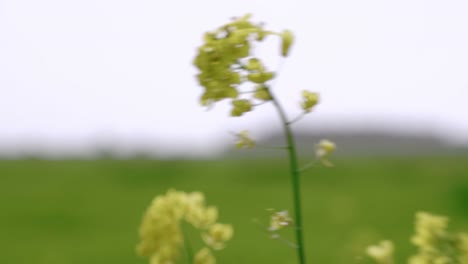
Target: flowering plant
{"x": 230, "y": 70}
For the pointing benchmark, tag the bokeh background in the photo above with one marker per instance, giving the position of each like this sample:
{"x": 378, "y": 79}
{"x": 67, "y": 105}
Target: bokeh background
{"x": 99, "y": 113}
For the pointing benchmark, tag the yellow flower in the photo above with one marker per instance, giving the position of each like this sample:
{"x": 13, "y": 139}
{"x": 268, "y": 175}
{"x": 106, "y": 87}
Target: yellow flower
{"x": 202, "y": 217}
{"x": 204, "y": 256}
{"x": 287, "y": 40}
{"x": 226, "y": 62}
{"x": 323, "y": 149}
{"x": 160, "y": 233}
{"x": 260, "y": 77}
{"x": 254, "y": 64}
{"x": 217, "y": 235}
{"x": 309, "y": 100}
{"x": 382, "y": 253}
{"x": 244, "y": 141}
{"x": 240, "y": 107}
{"x": 279, "y": 220}
{"x": 429, "y": 228}
{"x": 435, "y": 244}
{"x": 462, "y": 247}
{"x": 262, "y": 93}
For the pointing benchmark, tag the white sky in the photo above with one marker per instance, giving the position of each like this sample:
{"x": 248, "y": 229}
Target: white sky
{"x": 73, "y": 73}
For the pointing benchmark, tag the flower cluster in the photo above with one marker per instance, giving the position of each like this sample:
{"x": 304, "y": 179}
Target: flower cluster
{"x": 161, "y": 235}
{"x": 225, "y": 62}
{"x": 435, "y": 244}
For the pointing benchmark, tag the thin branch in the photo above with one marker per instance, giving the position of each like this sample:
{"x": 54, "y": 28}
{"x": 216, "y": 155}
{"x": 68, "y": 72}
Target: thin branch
{"x": 308, "y": 165}
{"x": 299, "y": 117}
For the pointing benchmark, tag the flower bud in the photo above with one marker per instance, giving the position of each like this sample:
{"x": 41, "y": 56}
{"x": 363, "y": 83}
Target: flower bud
{"x": 262, "y": 93}
{"x": 323, "y": 149}
{"x": 244, "y": 140}
{"x": 240, "y": 107}
{"x": 260, "y": 77}
{"x": 309, "y": 100}
{"x": 254, "y": 64}
{"x": 287, "y": 40}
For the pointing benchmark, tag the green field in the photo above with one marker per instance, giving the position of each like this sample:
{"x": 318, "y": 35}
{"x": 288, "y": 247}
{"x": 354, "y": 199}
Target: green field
{"x": 56, "y": 212}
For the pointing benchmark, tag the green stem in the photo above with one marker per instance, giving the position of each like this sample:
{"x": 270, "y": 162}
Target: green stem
{"x": 187, "y": 245}
{"x": 295, "y": 179}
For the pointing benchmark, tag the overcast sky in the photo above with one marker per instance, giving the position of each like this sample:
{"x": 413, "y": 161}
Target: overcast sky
{"x": 73, "y": 73}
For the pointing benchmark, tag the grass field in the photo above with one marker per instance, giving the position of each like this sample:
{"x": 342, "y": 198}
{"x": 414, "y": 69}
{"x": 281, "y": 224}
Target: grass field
{"x": 56, "y": 212}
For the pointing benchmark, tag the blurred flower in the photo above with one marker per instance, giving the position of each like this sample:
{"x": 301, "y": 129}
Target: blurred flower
{"x": 204, "y": 256}
{"x": 225, "y": 63}
{"x": 279, "y": 220}
{"x": 223, "y": 49}
{"x": 287, "y": 40}
{"x": 217, "y": 235}
{"x": 429, "y": 229}
{"x": 160, "y": 233}
{"x": 240, "y": 107}
{"x": 244, "y": 141}
{"x": 309, "y": 100}
{"x": 260, "y": 77}
{"x": 323, "y": 149}
{"x": 382, "y": 253}
{"x": 262, "y": 93}
{"x": 202, "y": 217}
{"x": 435, "y": 244}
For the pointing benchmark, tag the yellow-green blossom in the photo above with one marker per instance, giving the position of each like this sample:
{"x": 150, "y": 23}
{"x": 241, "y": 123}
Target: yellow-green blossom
{"x": 244, "y": 140}
{"x": 429, "y": 229}
{"x": 254, "y": 65}
{"x": 225, "y": 62}
{"x": 218, "y": 235}
{"x": 260, "y": 77}
{"x": 220, "y": 54}
{"x": 323, "y": 149}
{"x": 204, "y": 256}
{"x": 435, "y": 244}
{"x": 287, "y": 40}
{"x": 202, "y": 217}
{"x": 262, "y": 93}
{"x": 161, "y": 236}
{"x": 309, "y": 100}
{"x": 279, "y": 220}
{"x": 382, "y": 253}
{"x": 240, "y": 107}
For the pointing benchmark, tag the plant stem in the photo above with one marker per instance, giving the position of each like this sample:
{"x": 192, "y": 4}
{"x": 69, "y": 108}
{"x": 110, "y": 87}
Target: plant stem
{"x": 295, "y": 178}
{"x": 187, "y": 246}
